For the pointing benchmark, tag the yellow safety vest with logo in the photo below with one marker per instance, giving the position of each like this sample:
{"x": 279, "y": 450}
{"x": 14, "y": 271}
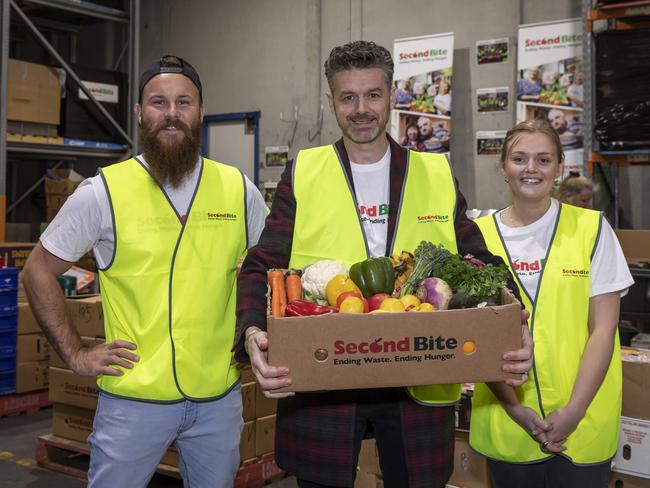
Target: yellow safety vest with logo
{"x": 559, "y": 326}
{"x": 170, "y": 287}
{"x": 328, "y": 224}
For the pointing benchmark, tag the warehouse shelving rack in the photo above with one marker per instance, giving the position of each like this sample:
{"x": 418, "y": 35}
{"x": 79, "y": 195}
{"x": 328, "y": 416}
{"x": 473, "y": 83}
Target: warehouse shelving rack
{"x": 63, "y": 13}
{"x": 598, "y": 18}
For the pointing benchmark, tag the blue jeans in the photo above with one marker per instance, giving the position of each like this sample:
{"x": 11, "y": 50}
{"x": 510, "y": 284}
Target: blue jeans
{"x": 129, "y": 438}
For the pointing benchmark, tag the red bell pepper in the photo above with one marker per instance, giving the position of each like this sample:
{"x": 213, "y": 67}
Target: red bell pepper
{"x": 305, "y": 308}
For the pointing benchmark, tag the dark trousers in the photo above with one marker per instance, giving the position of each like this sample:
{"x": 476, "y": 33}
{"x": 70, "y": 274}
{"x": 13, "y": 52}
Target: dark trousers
{"x": 556, "y": 472}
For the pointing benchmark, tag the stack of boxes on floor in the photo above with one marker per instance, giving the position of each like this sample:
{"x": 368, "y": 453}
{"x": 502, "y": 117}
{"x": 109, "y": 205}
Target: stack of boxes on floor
{"x": 258, "y": 436}
{"x": 32, "y": 353}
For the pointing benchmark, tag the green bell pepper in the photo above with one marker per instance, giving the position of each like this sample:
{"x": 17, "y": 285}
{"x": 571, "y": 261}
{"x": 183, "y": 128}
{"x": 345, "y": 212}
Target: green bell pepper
{"x": 374, "y": 275}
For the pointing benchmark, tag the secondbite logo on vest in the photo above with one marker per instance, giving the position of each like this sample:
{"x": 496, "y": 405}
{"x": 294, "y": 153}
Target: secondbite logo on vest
{"x": 222, "y": 216}
{"x": 576, "y": 273}
{"x": 437, "y": 218}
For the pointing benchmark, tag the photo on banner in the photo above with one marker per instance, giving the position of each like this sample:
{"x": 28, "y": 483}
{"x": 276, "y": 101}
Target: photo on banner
{"x": 421, "y": 120}
{"x": 489, "y": 142}
{"x": 492, "y": 51}
{"x": 493, "y": 99}
{"x": 550, "y": 83}
{"x": 276, "y": 156}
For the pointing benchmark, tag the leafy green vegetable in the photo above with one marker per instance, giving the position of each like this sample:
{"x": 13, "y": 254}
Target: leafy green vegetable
{"x": 479, "y": 283}
{"x": 428, "y": 257}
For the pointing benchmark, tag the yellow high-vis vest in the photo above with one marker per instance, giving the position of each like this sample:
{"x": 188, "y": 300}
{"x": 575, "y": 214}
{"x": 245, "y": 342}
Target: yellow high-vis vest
{"x": 559, "y": 326}
{"x": 328, "y": 223}
{"x": 170, "y": 287}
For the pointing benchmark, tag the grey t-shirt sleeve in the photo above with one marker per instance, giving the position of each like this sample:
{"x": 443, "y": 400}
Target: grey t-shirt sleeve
{"x": 84, "y": 223}
{"x": 256, "y": 212}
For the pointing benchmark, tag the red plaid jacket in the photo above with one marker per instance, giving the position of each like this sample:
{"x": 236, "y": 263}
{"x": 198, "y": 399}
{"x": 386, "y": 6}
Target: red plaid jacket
{"x": 315, "y": 431}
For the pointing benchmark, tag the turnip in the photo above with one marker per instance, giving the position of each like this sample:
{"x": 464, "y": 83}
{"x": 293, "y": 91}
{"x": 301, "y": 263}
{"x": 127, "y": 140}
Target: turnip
{"x": 435, "y": 291}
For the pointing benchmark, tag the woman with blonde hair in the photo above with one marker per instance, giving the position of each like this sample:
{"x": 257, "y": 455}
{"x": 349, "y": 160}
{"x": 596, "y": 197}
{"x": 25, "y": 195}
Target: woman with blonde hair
{"x": 560, "y": 428}
{"x": 577, "y": 190}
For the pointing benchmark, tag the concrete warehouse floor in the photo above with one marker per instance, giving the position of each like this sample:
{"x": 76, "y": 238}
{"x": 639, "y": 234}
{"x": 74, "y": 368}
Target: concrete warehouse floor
{"x": 18, "y": 467}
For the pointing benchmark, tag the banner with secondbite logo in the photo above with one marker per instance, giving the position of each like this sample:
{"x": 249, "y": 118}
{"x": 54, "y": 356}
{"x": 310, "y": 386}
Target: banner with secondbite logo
{"x": 550, "y": 83}
{"x": 421, "y": 120}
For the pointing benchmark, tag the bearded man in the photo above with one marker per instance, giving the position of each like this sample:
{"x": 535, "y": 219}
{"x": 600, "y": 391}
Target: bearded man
{"x": 167, "y": 228}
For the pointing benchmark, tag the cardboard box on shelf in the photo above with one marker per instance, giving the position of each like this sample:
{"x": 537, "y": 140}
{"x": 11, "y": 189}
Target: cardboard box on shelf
{"x": 247, "y": 442}
{"x": 86, "y": 314}
{"x": 264, "y": 406}
{"x": 72, "y": 389}
{"x": 15, "y": 254}
{"x": 32, "y": 347}
{"x": 470, "y": 468}
{"x": 54, "y": 201}
{"x": 248, "y": 401}
{"x": 26, "y": 321}
{"x": 636, "y": 383}
{"x": 633, "y": 453}
{"x": 635, "y": 245}
{"x": 62, "y": 181}
{"x": 344, "y": 351}
{"x": 33, "y": 93}
{"x": 620, "y": 480}
{"x": 264, "y": 435}
{"x": 57, "y": 362}
{"x": 31, "y": 376}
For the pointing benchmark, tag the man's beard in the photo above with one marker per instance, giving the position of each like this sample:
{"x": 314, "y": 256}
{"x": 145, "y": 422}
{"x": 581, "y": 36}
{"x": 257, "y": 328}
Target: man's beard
{"x": 170, "y": 162}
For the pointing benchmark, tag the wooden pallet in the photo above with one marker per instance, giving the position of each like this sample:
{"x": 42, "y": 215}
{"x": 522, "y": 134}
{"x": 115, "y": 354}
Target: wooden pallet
{"x": 24, "y": 403}
{"x": 72, "y": 458}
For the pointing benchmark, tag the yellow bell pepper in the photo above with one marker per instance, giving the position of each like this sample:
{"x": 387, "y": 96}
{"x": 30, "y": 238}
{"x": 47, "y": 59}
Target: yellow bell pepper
{"x": 338, "y": 285}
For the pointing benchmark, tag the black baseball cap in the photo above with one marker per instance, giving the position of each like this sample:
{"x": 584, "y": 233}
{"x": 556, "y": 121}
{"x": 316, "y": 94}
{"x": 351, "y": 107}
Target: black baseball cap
{"x": 170, "y": 64}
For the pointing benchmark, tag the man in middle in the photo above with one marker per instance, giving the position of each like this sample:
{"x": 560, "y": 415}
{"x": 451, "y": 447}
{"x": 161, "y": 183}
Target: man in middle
{"x": 316, "y": 215}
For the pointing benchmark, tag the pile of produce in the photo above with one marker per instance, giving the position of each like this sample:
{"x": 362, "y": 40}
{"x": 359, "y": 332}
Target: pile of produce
{"x": 430, "y": 279}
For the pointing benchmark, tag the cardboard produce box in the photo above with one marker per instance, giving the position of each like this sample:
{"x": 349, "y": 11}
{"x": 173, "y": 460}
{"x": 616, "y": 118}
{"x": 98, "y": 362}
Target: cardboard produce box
{"x": 32, "y": 347}
{"x": 31, "y": 376}
{"x": 247, "y": 442}
{"x": 33, "y": 93}
{"x": 636, "y": 384}
{"x": 248, "y": 401}
{"x": 264, "y": 435}
{"x": 86, "y": 315}
{"x": 57, "y": 362}
{"x": 71, "y": 422}
{"x": 72, "y": 389}
{"x": 633, "y": 453}
{"x": 264, "y": 406}
{"x": 15, "y": 254}
{"x": 620, "y": 480}
{"x": 345, "y": 351}
{"x": 26, "y": 321}
{"x": 470, "y": 468}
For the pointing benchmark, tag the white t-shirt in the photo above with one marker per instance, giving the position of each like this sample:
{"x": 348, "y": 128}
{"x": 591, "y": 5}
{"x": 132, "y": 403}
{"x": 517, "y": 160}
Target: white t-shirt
{"x": 85, "y": 222}
{"x": 527, "y": 247}
{"x": 443, "y": 100}
{"x": 371, "y": 184}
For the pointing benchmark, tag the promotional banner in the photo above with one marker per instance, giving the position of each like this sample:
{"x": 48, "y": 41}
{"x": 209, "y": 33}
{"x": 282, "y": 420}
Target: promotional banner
{"x": 550, "y": 82}
{"x": 423, "y": 71}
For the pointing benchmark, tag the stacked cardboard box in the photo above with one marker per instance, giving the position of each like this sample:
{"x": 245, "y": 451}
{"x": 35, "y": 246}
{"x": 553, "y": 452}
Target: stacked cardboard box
{"x": 32, "y": 353}
{"x": 633, "y": 454}
{"x": 59, "y": 185}
{"x": 258, "y": 437}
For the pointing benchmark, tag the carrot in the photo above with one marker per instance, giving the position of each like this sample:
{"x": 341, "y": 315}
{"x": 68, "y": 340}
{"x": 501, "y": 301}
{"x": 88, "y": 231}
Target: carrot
{"x": 278, "y": 293}
{"x": 294, "y": 286}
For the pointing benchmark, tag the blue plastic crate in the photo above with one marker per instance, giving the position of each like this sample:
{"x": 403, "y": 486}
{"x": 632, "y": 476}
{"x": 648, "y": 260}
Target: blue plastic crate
{"x": 8, "y": 323}
{"x": 9, "y": 303}
{"x": 8, "y": 280}
{"x": 7, "y": 382}
{"x": 7, "y": 344}
{"x": 8, "y": 363}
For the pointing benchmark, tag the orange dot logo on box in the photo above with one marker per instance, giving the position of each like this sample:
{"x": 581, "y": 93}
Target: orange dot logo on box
{"x": 436, "y": 218}
{"x": 575, "y": 273}
{"x": 221, "y": 216}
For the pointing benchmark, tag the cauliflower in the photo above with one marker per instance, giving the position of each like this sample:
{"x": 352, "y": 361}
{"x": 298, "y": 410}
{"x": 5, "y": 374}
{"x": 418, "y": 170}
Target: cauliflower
{"x": 316, "y": 276}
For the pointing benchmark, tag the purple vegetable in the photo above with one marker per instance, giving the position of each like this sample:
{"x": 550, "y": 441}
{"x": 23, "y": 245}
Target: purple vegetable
{"x": 436, "y": 292}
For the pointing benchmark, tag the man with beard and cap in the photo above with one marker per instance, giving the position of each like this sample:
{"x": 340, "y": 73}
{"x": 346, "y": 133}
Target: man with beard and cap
{"x": 167, "y": 228}
{"x": 318, "y": 434}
